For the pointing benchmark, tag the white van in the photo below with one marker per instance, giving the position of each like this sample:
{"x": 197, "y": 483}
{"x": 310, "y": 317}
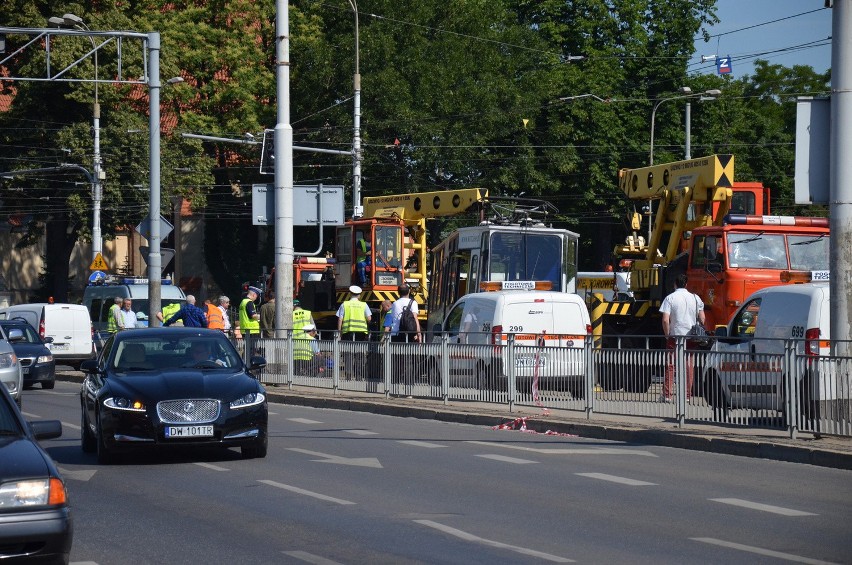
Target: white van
{"x": 68, "y": 325}
{"x": 745, "y": 367}
{"x": 548, "y": 330}
{"x": 98, "y": 298}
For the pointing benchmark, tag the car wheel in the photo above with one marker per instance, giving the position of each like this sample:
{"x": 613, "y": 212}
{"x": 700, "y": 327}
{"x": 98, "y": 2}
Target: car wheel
{"x": 48, "y": 385}
{"x": 105, "y": 457}
{"x": 87, "y": 439}
{"x": 256, "y": 451}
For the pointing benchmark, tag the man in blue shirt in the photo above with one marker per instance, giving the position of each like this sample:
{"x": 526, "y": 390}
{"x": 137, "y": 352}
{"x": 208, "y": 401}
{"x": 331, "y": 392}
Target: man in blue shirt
{"x": 192, "y": 315}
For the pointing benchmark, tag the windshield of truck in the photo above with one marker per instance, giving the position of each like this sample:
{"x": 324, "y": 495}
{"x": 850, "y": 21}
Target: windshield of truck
{"x": 809, "y": 252}
{"x": 757, "y": 251}
{"x": 526, "y": 257}
{"x": 388, "y": 246}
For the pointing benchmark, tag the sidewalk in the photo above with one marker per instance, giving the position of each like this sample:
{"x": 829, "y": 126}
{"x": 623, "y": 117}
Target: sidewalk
{"x": 827, "y": 451}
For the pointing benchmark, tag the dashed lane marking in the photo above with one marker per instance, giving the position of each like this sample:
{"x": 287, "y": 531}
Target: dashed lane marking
{"x": 762, "y": 551}
{"x": 303, "y": 421}
{"x": 499, "y": 545}
{"x": 298, "y": 490}
{"x": 211, "y": 466}
{"x": 418, "y": 443}
{"x": 506, "y": 459}
{"x": 616, "y": 479}
{"x": 762, "y": 507}
{"x": 568, "y": 451}
{"x": 361, "y": 432}
{"x": 72, "y": 426}
{"x": 30, "y": 415}
{"x": 311, "y": 558}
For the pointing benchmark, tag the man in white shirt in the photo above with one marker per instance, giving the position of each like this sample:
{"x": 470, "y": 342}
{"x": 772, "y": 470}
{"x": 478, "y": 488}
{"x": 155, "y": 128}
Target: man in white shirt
{"x": 128, "y": 316}
{"x": 680, "y": 310}
{"x": 401, "y": 304}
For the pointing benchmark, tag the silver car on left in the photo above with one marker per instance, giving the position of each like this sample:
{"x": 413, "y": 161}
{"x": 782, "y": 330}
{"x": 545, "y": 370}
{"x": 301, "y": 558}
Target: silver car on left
{"x": 10, "y": 368}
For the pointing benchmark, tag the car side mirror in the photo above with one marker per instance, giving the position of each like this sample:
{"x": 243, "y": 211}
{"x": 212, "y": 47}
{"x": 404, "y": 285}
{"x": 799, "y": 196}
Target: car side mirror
{"x": 89, "y": 366}
{"x": 257, "y": 362}
{"x": 721, "y": 331}
{"x": 46, "y": 429}
{"x": 713, "y": 267}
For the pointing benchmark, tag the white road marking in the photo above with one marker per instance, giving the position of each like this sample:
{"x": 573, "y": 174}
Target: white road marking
{"x": 615, "y": 479}
{"x": 762, "y": 507}
{"x": 327, "y": 458}
{"x": 57, "y": 393}
{"x": 569, "y": 451}
{"x": 476, "y": 539}
{"x": 211, "y": 466}
{"x": 81, "y": 475}
{"x": 361, "y": 432}
{"x": 30, "y": 415}
{"x": 72, "y": 426}
{"x": 303, "y": 421}
{"x": 507, "y": 459}
{"x": 761, "y": 551}
{"x": 297, "y": 490}
{"x": 417, "y": 443}
{"x": 84, "y": 563}
{"x": 311, "y": 558}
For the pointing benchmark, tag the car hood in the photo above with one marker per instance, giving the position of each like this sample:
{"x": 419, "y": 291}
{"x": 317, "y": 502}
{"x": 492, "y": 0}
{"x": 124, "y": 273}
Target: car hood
{"x": 21, "y": 458}
{"x": 184, "y": 384}
{"x": 30, "y": 349}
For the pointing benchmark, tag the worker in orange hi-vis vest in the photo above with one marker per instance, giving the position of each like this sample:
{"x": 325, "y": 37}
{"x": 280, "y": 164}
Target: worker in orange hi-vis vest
{"x": 215, "y": 320}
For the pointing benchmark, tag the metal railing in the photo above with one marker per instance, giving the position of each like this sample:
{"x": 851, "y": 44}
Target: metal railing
{"x": 777, "y": 385}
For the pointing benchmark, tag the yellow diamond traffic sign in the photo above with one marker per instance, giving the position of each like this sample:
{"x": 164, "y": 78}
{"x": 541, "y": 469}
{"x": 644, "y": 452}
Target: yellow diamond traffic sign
{"x": 98, "y": 264}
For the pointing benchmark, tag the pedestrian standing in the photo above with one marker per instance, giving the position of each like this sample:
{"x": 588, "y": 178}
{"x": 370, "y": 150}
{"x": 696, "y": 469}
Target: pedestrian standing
{"x": 215, "y": 321}
{"x": 224, "y": 305}
{"x": 192, "y": 315}
{"x": 267, "y": 316}
{"x": 301, "y": 318}
{"x": 115, "y": 319}
{"x": 170, "y": 310}
{"x": 404, "y": 302}
{"x": 249, "y": 316}
{"x": 128, "y": 315}
{"x": 353, "y": 317}
{"x": 306, "y": 353}
{"x": 680, "y": 310}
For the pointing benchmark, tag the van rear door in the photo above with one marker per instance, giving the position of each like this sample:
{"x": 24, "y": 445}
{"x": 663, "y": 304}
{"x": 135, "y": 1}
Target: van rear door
{"x": 70, "y": 327}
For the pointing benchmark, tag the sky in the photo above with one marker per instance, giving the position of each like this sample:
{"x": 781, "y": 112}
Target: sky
{"x": 775, "y": 41}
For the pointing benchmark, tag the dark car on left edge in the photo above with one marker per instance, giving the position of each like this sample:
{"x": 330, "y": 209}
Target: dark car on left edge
{"x": 35, "y": 518}
{"x": 172, "y": 388}
{"x": 37, "y": 364}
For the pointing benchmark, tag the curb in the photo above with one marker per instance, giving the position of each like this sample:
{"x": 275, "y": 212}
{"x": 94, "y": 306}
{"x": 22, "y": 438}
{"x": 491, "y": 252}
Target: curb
{"x": 758, "y": 448}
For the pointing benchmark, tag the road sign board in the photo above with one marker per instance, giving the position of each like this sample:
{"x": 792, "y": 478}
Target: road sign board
{"x": 306, "y": 202}
{"x": 166, "y": 255}
{"x": 144, "y": 228}
{"x": 98, "y": 264}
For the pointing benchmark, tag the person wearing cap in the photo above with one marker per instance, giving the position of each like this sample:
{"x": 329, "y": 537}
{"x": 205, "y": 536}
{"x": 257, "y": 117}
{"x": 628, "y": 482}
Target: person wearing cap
{"x": 249, "y": 316}
{"x": 353, "y": 323}
{"x": 353, "y": 317}
{"x": 301, "y": 318}
{"x": 306, "y": 354}
{"x": 267, "y": 316}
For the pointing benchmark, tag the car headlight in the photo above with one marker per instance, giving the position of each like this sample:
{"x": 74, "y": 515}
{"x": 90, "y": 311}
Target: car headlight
{"x": 251, "y": 399}
{"x": 7, "y": 360}
{"x": 44, "y": 359}
{"x": 120, "y": 403}
{"x": 39, "y": 492}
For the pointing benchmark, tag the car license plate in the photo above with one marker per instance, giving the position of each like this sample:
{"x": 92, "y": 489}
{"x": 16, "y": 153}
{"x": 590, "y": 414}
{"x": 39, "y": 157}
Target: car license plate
{"x": 387, "y": 280}
{"x": 189, "y": 431}
{"x": 59, "y": 347}
{"x": 530, "y": 361}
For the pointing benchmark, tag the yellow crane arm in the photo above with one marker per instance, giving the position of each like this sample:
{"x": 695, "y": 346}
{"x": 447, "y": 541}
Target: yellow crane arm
{"x": 701, "y": 175}
{"x": 423, "y": 204}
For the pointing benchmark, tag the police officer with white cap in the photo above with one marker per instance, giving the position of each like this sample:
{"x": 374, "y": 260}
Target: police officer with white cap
{"x": 353, "y": 317}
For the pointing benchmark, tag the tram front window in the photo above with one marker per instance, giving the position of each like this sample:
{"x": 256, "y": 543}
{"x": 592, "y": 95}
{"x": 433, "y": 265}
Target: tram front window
{"x": 526, "y": 257}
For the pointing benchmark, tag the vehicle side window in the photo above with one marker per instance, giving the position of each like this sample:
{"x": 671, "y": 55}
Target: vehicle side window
{"x": 454, "y": 320}
{"x": 95, "y": 309}
{"x": 745, "y": 321}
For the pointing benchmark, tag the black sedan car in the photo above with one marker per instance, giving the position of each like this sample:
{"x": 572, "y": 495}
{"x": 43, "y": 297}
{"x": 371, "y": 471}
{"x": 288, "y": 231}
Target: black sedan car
{"x": 35, "y": 520}
{"x": 37, "y": 364}
{"x": 172, "y": 388}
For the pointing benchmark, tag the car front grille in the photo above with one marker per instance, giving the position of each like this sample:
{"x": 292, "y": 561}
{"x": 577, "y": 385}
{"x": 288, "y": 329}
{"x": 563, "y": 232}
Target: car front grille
{"x": 188, "y": 411}
{"x": 26, "y": 362}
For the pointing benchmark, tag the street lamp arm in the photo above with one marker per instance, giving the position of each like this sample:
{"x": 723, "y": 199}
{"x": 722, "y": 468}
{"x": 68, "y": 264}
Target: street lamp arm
{"x": 61, "y": 168}
{"x": 712, "y": 94}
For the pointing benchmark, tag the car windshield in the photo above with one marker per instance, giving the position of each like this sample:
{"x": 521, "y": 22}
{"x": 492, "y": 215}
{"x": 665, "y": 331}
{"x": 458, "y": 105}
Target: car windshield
{"x": 165, "y": 353}
{"x": 9, "y": 424}
{"x": 30, "y": 335}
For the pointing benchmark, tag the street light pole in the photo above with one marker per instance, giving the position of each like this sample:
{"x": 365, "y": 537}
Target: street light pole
{"x": 356, "y": 122}
{"x": 74, "y": 21}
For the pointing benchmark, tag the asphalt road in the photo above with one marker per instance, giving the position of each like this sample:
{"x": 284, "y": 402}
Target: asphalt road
{"x": 353, "y": 487}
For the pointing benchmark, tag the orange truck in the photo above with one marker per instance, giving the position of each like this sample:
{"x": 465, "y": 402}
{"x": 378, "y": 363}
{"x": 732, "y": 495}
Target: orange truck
{"x": 715, "y": 230}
